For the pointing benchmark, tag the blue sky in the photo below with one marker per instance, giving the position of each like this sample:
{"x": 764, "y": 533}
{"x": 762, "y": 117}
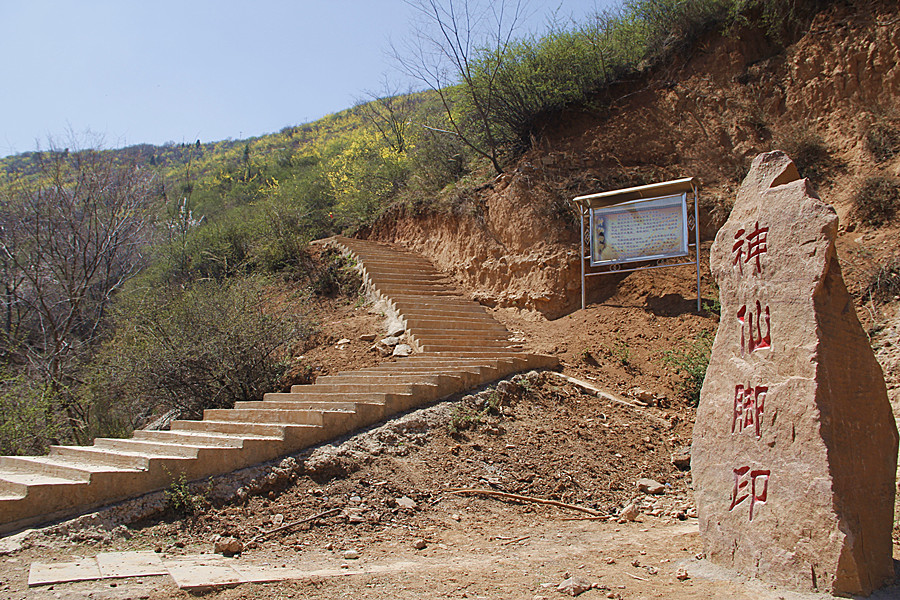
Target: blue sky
{"x": 141, "y": 71}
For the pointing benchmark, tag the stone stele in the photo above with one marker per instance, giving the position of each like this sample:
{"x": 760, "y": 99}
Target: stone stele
{"x": 795, "y": 446}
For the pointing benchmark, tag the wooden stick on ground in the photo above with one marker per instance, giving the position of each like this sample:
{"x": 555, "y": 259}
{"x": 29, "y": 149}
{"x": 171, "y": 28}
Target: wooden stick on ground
{"x": 520, "y": 498}
{"x": 588, "y": 387}
{"x": 261, "y": 536}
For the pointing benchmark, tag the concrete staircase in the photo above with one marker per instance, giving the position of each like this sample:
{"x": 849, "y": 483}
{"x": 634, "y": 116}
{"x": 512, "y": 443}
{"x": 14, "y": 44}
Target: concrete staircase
{"x": 459, "y": 346}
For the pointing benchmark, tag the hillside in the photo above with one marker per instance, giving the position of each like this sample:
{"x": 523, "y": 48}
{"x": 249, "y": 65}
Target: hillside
{"x": 829, "y": 95}
{"x": 830, "y": 100}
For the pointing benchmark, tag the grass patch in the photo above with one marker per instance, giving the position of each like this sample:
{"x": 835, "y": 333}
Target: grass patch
{"x": 692, "y": 362}
{"x": 883, "y": 141}
{"x": 885, "y": 282}
{"x": 875, "y": 202}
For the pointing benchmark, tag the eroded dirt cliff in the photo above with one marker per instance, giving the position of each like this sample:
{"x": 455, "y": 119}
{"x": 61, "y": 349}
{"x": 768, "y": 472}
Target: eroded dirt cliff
{"x": 705, "y": 114}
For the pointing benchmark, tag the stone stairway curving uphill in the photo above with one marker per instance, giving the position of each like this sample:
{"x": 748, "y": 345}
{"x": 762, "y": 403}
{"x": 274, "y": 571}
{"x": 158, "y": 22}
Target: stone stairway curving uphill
{"x": 458, "y": 344}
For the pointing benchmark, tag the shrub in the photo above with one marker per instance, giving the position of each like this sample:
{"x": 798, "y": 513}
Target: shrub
{"x": 30, "y": 415}
{"x": 692, "y": 363}
{"x": 883, "y": 141}
{"x": 337, "y": 275}
{"x": 181, "y": 500}
{"x": 208, "y": 346}
{"x": 884, "y": 284}
{"x": 809, "y": 152}
{"x": 876, "y": 200}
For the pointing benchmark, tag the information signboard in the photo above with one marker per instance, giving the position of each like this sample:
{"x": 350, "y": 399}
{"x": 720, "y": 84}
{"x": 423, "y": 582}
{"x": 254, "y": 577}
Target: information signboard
{"x": 640, "y": 230}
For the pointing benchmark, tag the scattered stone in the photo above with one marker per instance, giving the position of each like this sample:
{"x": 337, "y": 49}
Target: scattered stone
{"x": 390, "y": 340}
{"x": 406, "y": 502}
{"x": 574, "y": 586}
{"x": 419, "y": 544}
{"x": 367, "y": 337}
{"x": 402, "y": 350}
{"x": 277, "y": 520}
{"x": 381, "y": 349}
{"x": 396, "y": 331}
{"x": 329, "y": 546}
{"x": 228, "y": 546}
{"x": 342, "y": 342}
{"x": 355, "y": 515}
{"x": 681, "y": 458}
{"x": 650, "y": 486}
{"x": 629, "y": 513}
{"x": 682, "y": 575}
{"x": 610, "y": 560}
{"x": 793, "y": 375}
{"x": 642, "y": 395}
{"x": 350, "y": 554}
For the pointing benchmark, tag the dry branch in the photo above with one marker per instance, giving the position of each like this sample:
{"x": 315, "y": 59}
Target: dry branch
{"x": 520, "y": 498}
{"x": 261, "y": 536}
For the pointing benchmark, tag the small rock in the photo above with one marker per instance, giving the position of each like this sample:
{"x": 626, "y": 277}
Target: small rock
{"x": 419, "y": 544}
{"x": 649, "y": 486}
{"x": 681, "y": 458}
{"x": 642, "y": 395}
{"x": 350, "y": 554}
{"x": 406, "y": 502}
{"x": 277, "y": 520}
{"x": 682, "y": 575}
{"x": 342, "y": 342}
{"x": 367, "y": 337}
{"x": 396, "y": 331}
{"x": 402, "y": 350}
{"x": 329, "y": 546}
{"x": 629, "y": 513}
{"x": 390, "y": 340}
{"x": 228, "y": 546}
{"x": 610, "y": 560}
{"x": 381, "y": 349}
{"x": 574, "y": 586}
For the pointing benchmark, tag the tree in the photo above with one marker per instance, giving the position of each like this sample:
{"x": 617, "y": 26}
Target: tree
{"x": 70, "y": 236}
{"x": 390, "y": 112}
{"x": 458, "y": 42}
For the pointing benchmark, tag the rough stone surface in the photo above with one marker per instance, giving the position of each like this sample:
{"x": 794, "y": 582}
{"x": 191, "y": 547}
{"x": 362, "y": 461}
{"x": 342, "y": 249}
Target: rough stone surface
{"x": 795, "y": 447}
{"x": 402, "y": 350}
{"x": 574, "y": 586}
{"x": 228, "y": 546}
{"x": 650, "y": 486}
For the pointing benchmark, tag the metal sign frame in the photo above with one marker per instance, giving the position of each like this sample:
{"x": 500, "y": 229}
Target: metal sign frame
{"x": 635, "y": 195}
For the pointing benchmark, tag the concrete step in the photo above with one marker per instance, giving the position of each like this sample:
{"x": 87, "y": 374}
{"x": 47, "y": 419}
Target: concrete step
{"x": 455, "y": 324}
{"x": 463, "y": 348}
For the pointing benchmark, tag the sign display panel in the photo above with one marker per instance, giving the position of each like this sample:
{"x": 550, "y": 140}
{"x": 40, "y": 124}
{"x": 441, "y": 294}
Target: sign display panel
{"x": 640, "y": 230}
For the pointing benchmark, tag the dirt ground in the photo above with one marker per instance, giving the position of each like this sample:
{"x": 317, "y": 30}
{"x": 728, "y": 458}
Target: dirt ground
{"x": 535, "y": 435}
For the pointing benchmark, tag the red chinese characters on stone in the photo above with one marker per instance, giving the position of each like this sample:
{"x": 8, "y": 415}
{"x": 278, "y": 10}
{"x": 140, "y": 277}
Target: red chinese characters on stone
{"x": 752, "y": 485}
{"x": 750, "y": 246}
{"x": 752, "y": 337}
{"x": 749, "y": 403}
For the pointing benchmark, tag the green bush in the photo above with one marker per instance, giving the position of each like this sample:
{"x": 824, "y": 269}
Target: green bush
{"x": 336, "y": 275}
{"x": 208, "y": 346}
{"x": 876, "y": 200}
{"x": 692, "y": 363}
{"x": 30, "y": 415}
